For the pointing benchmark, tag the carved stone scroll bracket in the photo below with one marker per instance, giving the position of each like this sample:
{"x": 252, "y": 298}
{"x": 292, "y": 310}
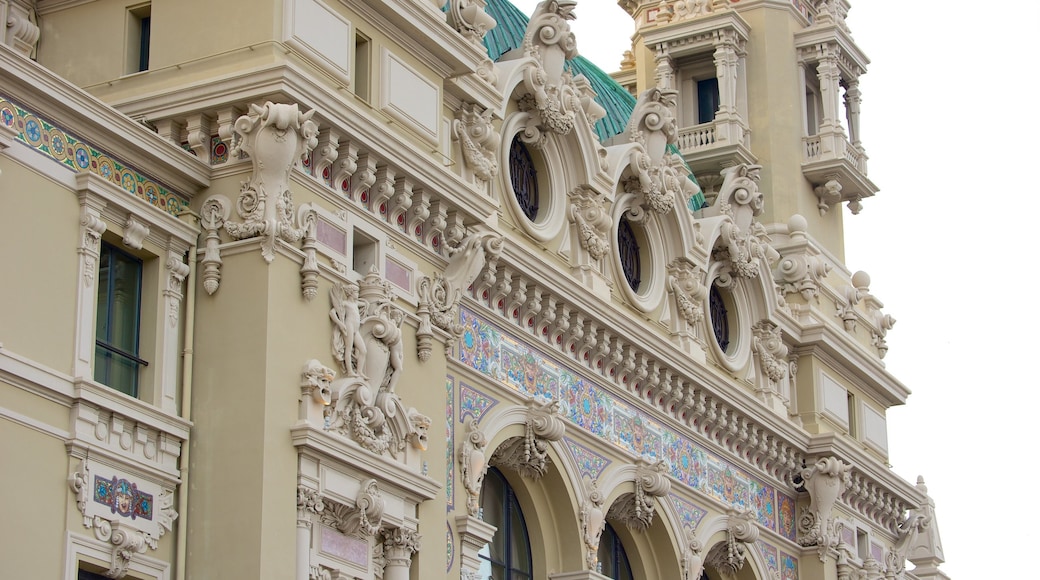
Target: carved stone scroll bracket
{"x": 274, "y": 136}
{"x": 741, "y": 532}
{"x": 215, "y": 212}
{"x": 800, "y": 271}
{"x": 363, "y": 519}
{"x": 135, "y": 231}
{"x": 829, "y": 195}
{"x": 529, "y": 455}
{"x": 439, "y": 296}
{"x": 23, "y": 32}
{"x": 474, "y": 463}
{"x": 636, "y": 510}
{"x": 472, "y": 22}
{"x": 825, "y": 481}
{"x": 593, "y": 519}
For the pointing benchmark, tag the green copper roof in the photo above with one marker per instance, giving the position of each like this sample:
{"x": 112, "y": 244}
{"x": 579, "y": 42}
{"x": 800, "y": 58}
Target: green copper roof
{"x": 619, "y": 104}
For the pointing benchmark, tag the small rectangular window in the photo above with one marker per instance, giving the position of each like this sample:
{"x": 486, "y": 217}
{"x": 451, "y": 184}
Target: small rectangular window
{"x": 362, "y": 66}
{"x": 138, "y": 38}
{"x": 707, "y": 100}
{"x": 116, "y": 361}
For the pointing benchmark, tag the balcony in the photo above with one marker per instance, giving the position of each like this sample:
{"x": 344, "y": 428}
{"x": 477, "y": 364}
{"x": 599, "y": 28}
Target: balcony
{"x": 837, "y": 169}
{"x": 709, "y": 147}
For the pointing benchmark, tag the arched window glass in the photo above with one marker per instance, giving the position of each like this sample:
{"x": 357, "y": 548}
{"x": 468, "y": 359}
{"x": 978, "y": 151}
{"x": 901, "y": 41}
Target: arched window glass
{"x": 613, "y": 561}
{"x": 628, "y": 249}
{"x": 524, "y": 178}
{"x": 508, "y": 556}
{"x": 719, "y": 317}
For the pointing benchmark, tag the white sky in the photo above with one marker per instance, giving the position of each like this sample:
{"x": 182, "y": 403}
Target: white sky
{"x": 947, "y": 245}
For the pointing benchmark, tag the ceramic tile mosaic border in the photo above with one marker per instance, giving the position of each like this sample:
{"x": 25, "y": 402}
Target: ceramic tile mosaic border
{"x": 511, "y": 362}
{"x": 473, "y": 403}
{"x": 690, "y": 514}
{"x": 449, "y": 484}
{"x": 788, "y": 567}
{"x": 590, "y": 464}
{"x": 79, "y": 156}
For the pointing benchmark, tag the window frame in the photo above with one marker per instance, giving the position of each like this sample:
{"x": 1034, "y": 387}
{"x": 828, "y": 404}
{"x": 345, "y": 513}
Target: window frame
{"x": 510, "y": 502}
{"x": 109, "y": 295}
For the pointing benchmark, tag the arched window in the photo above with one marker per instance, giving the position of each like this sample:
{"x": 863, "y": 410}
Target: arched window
{"x": 524, "y": 178}
{"x": 508, "y": 556}
{"x": 719, "y": 317}
{"x": 613, "y": 561}
{"x": 628, "y": 250}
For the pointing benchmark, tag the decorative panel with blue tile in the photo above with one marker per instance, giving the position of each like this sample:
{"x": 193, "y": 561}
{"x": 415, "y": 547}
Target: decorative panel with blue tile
{"x": 590, "y": 464}
{"x": 79, "y": 156}
{"x": 472, "y": 403}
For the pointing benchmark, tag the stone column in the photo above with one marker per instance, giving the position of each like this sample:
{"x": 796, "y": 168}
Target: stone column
{"x": 664, "y": 72}
{"x": 726, "y": 60}
{"x": 173, "y": 296}
{"x": 398, "y": 546}
{"x": 474, "y": 534}
{"x": 308, "y": 501}
{"x": 830, "y": 75}
{"x": 852, "y": 103}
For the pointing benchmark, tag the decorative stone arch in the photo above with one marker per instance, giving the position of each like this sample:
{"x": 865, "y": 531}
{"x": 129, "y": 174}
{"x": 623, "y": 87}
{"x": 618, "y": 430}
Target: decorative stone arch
{"x": 650, "y": 546}
{"x": 547, "y": 497}
{"x": 712, "y": 537}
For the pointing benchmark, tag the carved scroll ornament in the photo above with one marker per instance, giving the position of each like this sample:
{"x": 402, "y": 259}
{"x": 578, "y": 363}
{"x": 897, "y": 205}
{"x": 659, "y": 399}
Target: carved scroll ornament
{"x": 274, "y": 136}
{"x": 825, "y": 481}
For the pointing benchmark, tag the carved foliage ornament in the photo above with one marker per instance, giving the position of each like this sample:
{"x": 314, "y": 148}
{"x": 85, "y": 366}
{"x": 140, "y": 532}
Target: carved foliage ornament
{"x": 589, "y": 214}
{"x": 477, "y": 138}
{"x": 686, "y": 283}
{"x": 121, "y": 514}
{"x": 772, "y": 352}
{"x": 364, "y": 519}
{"x": 274, "y": 136}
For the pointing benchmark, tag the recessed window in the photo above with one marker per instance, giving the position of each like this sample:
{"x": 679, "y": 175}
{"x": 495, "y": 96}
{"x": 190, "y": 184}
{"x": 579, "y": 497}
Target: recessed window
{"x": 116, "y": 360}
{"x": 524, "y": 178}
{"x": 719, "y": 317}
{"x": 362, "y": 66}
{"x": 508, "y": 556}
{"x": 613, "y": 561}
{"x": 138, "y": 38}
{"x": 628, "y": 251}
{"x": 707, "y": 100}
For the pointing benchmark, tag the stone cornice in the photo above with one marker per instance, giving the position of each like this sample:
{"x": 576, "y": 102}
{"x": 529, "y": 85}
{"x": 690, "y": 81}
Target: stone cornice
{"x": 83, "y": 114}
{"x": 404, "y": 482}
{"x": 682, "y": 33}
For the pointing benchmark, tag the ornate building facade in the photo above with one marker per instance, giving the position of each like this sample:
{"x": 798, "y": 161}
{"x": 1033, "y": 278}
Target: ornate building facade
{"x": 480, "y": 308}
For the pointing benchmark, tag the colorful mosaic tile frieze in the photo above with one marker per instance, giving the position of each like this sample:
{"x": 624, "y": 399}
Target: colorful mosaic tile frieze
{"x": 508, "y": 360}
{"x": 450, "y": 547}
{"x": 590, "y": 464}
{"x": 785, "y": 510}
{"x": 123, "y": 497}
{"x": 690, "y": 515}
{"x": 449, "y": 485}
{"x": 770, "y": 557}
{"x": 79, "y": 156}
{"x": 472, "y": 403}
{"x": 788, "y": 567}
